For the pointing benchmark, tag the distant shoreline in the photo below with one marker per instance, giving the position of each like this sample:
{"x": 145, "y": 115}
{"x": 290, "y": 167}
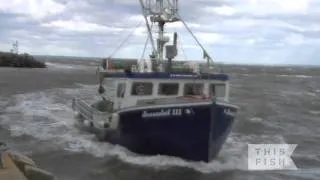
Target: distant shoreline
{"x": 217, "y": 63}
{"x": 8, "y": 59}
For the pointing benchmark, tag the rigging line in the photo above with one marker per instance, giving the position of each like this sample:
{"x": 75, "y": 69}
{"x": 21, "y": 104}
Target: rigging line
{"x": 186, "y": 26}
{"x": 126, "y": 39}
{"x": 145, "y": 45}
{"x": 143, "y": 52}
{"x": 195, "y": 38}
{"x": 204, "y": 51}
{"x": 142, "y": 60}
{"x": 211, "y": 60}
{"x": 148, "y": 26}
{"x": 184, "y": 23}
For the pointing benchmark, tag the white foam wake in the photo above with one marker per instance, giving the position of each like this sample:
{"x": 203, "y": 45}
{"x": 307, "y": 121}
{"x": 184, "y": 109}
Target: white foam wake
{"x": 48, "y": 116}
{"x": 294, "y": 75}
{"x": 65, "y": 66}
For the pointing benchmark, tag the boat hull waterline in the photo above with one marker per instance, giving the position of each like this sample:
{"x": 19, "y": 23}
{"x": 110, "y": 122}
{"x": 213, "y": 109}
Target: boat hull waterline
{"x": 192, "y": 131}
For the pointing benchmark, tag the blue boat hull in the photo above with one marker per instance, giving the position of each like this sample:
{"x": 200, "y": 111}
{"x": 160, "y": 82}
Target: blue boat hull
{"x": 197, "y": 133}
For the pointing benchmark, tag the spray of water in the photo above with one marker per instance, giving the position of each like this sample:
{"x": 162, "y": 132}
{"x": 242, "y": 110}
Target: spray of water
{"x": 48, "y": 116}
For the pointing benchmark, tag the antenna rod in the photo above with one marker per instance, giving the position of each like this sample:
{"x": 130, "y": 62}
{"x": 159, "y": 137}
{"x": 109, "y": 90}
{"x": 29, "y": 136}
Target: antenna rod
{"x": 175, "y": 38}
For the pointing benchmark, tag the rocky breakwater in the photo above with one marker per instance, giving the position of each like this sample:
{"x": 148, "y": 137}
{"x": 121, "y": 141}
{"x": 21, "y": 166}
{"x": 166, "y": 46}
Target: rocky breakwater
{"x": 19, "y": 60}
{"x": 15, "y": 166}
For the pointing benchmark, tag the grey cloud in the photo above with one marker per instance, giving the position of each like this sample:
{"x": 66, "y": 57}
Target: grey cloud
{"x": 30, "y": 33}
{"x": 15, "y": 21}
{"x": 296, "y": 22}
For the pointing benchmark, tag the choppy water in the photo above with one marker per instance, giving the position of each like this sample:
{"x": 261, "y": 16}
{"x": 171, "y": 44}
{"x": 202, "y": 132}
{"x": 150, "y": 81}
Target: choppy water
{"x": 277, "y": 105}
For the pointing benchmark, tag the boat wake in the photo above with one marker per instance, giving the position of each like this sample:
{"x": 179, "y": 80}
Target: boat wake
{"x": 48, "y": 116}
{"x": 294, "y": 76}
{"x": 53, "y": 65}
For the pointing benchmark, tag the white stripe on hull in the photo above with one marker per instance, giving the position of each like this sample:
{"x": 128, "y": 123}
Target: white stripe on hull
{"x": 175, "y": 105}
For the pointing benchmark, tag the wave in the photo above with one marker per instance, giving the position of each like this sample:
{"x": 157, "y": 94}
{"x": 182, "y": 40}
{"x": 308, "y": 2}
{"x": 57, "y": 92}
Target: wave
{"x": 292, "y": 75}
{"x": 314, "y": 112}
{"x": 65, "y": 66}
{"x": 48, "y": 116}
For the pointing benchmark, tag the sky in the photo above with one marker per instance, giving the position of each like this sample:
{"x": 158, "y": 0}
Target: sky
{"x": 268, "y": 32}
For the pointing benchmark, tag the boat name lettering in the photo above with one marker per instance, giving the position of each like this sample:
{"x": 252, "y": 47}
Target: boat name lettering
{"x": 162, "y": 113}
{"x": 183, "y": 75}
{"x": 229, "y": 112}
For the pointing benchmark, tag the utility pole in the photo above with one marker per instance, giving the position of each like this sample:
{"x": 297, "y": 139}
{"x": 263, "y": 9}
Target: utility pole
{"x": 15, "y": 48}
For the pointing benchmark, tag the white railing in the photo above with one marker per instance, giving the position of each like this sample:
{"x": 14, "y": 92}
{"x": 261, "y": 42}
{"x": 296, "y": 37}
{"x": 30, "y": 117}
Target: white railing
{"x": 86, "y": 110}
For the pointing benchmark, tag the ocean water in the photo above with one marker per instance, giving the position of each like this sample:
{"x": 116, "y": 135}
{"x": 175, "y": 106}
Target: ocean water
{"x": 277, "y": 105}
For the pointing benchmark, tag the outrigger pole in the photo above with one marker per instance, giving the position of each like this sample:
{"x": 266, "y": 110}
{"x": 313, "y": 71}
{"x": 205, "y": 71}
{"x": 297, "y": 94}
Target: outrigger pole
{"x": 148, "y": 26}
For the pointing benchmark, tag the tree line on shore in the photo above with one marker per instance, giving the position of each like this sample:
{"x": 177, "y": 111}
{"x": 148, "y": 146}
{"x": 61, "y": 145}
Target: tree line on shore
{"x": 25, "y": 60}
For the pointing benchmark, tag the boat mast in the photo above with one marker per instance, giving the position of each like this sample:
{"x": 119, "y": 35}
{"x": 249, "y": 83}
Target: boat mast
{"x": 160, "y": 13}
{"x": 160, "y": 39}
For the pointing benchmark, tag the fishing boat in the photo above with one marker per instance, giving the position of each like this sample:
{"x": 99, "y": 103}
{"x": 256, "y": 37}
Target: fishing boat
{"x": 153, "y": 110}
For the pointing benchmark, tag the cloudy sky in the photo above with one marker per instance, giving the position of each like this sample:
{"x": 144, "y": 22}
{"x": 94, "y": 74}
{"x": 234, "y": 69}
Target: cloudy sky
{"x": 232, "y": 31}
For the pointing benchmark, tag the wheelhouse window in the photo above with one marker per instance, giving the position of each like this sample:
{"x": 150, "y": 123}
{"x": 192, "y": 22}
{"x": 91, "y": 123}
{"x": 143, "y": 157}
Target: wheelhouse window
{"x": 121, "y": 89}
{"x": 168, "y": 88}
{"x": 193, "y": 89}
{"x": 141, "y": 89}
{"x": 218, "y": 90}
